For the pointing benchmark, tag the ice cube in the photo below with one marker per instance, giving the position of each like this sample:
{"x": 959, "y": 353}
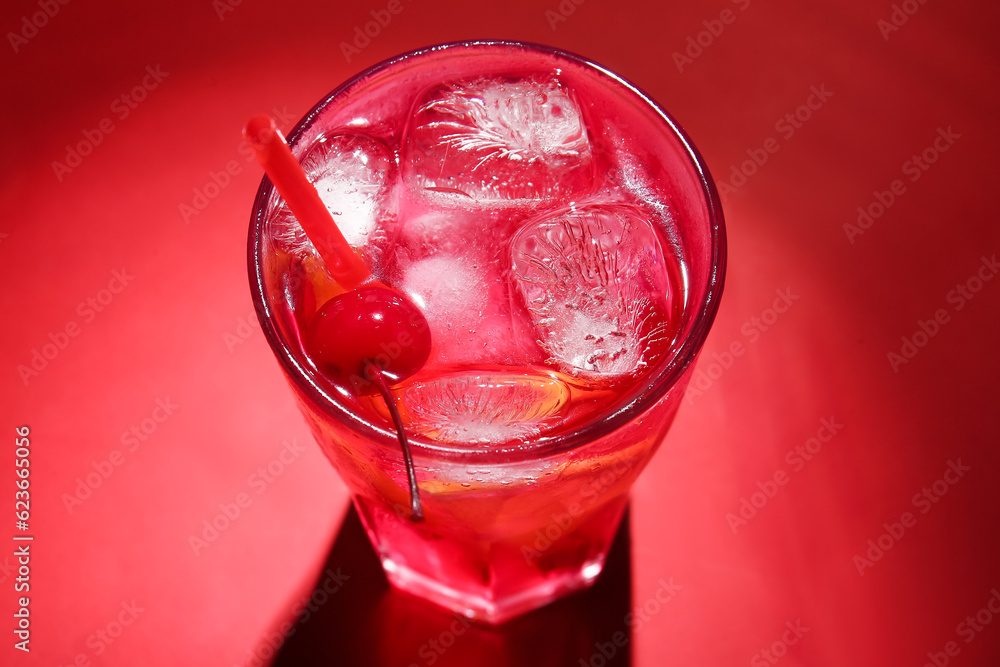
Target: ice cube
{"x": 595, "y": 282}
{"x": 464, "y": 297}
{"x": 451, "y": 289}
{"x": 493, "y": 140}
{"x": 352, "y": 173}
{"x": 485, "y": 407}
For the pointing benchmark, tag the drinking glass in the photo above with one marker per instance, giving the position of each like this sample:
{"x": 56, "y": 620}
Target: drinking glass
{"x": 510, "y": 526}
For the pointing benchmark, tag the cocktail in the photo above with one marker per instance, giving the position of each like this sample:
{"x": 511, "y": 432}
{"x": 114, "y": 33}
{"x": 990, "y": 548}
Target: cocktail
{"x": 562, "y": 247}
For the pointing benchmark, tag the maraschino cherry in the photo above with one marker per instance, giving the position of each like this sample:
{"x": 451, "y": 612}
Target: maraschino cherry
{"x": 369, "y": 325}
{"x": 369, "y": 337}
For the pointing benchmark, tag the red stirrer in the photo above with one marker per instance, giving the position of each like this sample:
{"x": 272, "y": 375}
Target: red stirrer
{"x": 366, "y": 316}
{"x": 273, "y": 153}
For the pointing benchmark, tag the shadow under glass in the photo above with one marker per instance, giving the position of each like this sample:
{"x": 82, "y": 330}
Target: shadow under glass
{"x": 365, "y": 623}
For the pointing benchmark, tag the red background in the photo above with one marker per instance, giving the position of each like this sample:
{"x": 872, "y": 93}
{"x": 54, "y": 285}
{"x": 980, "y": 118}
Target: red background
{"x": 176, "y": 333}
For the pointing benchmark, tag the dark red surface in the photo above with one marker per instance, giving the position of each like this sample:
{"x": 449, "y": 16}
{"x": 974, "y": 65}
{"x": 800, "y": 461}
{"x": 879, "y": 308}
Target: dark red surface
{"x": 173, "y": 350}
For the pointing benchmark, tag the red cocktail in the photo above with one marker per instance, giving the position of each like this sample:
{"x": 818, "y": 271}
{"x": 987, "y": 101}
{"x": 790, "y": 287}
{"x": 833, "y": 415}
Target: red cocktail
{"x": 565, "y": 244}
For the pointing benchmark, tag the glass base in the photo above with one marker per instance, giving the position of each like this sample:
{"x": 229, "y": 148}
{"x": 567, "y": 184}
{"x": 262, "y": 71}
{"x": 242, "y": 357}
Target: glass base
{"x": 491, "y": 611}
{"x": 487, "y": 573}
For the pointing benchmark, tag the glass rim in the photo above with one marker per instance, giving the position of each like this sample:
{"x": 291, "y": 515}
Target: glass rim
{"x": 656, "y": 385}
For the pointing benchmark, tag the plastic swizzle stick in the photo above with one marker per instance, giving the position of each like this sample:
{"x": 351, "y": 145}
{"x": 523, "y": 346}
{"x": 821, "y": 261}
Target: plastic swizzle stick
{"x": 349, "y": 334}
{"x": 273, "y": 153}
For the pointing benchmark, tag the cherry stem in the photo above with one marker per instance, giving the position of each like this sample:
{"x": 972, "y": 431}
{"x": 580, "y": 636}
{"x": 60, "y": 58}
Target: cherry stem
{"x": 374, "y": 373}
{"x": 284, "y": 170}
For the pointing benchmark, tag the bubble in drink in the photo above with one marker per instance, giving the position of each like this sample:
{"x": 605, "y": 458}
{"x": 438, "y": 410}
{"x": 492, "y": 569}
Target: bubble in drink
{"x": 595, "y": 281}
{"x": 495, "y": 140}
